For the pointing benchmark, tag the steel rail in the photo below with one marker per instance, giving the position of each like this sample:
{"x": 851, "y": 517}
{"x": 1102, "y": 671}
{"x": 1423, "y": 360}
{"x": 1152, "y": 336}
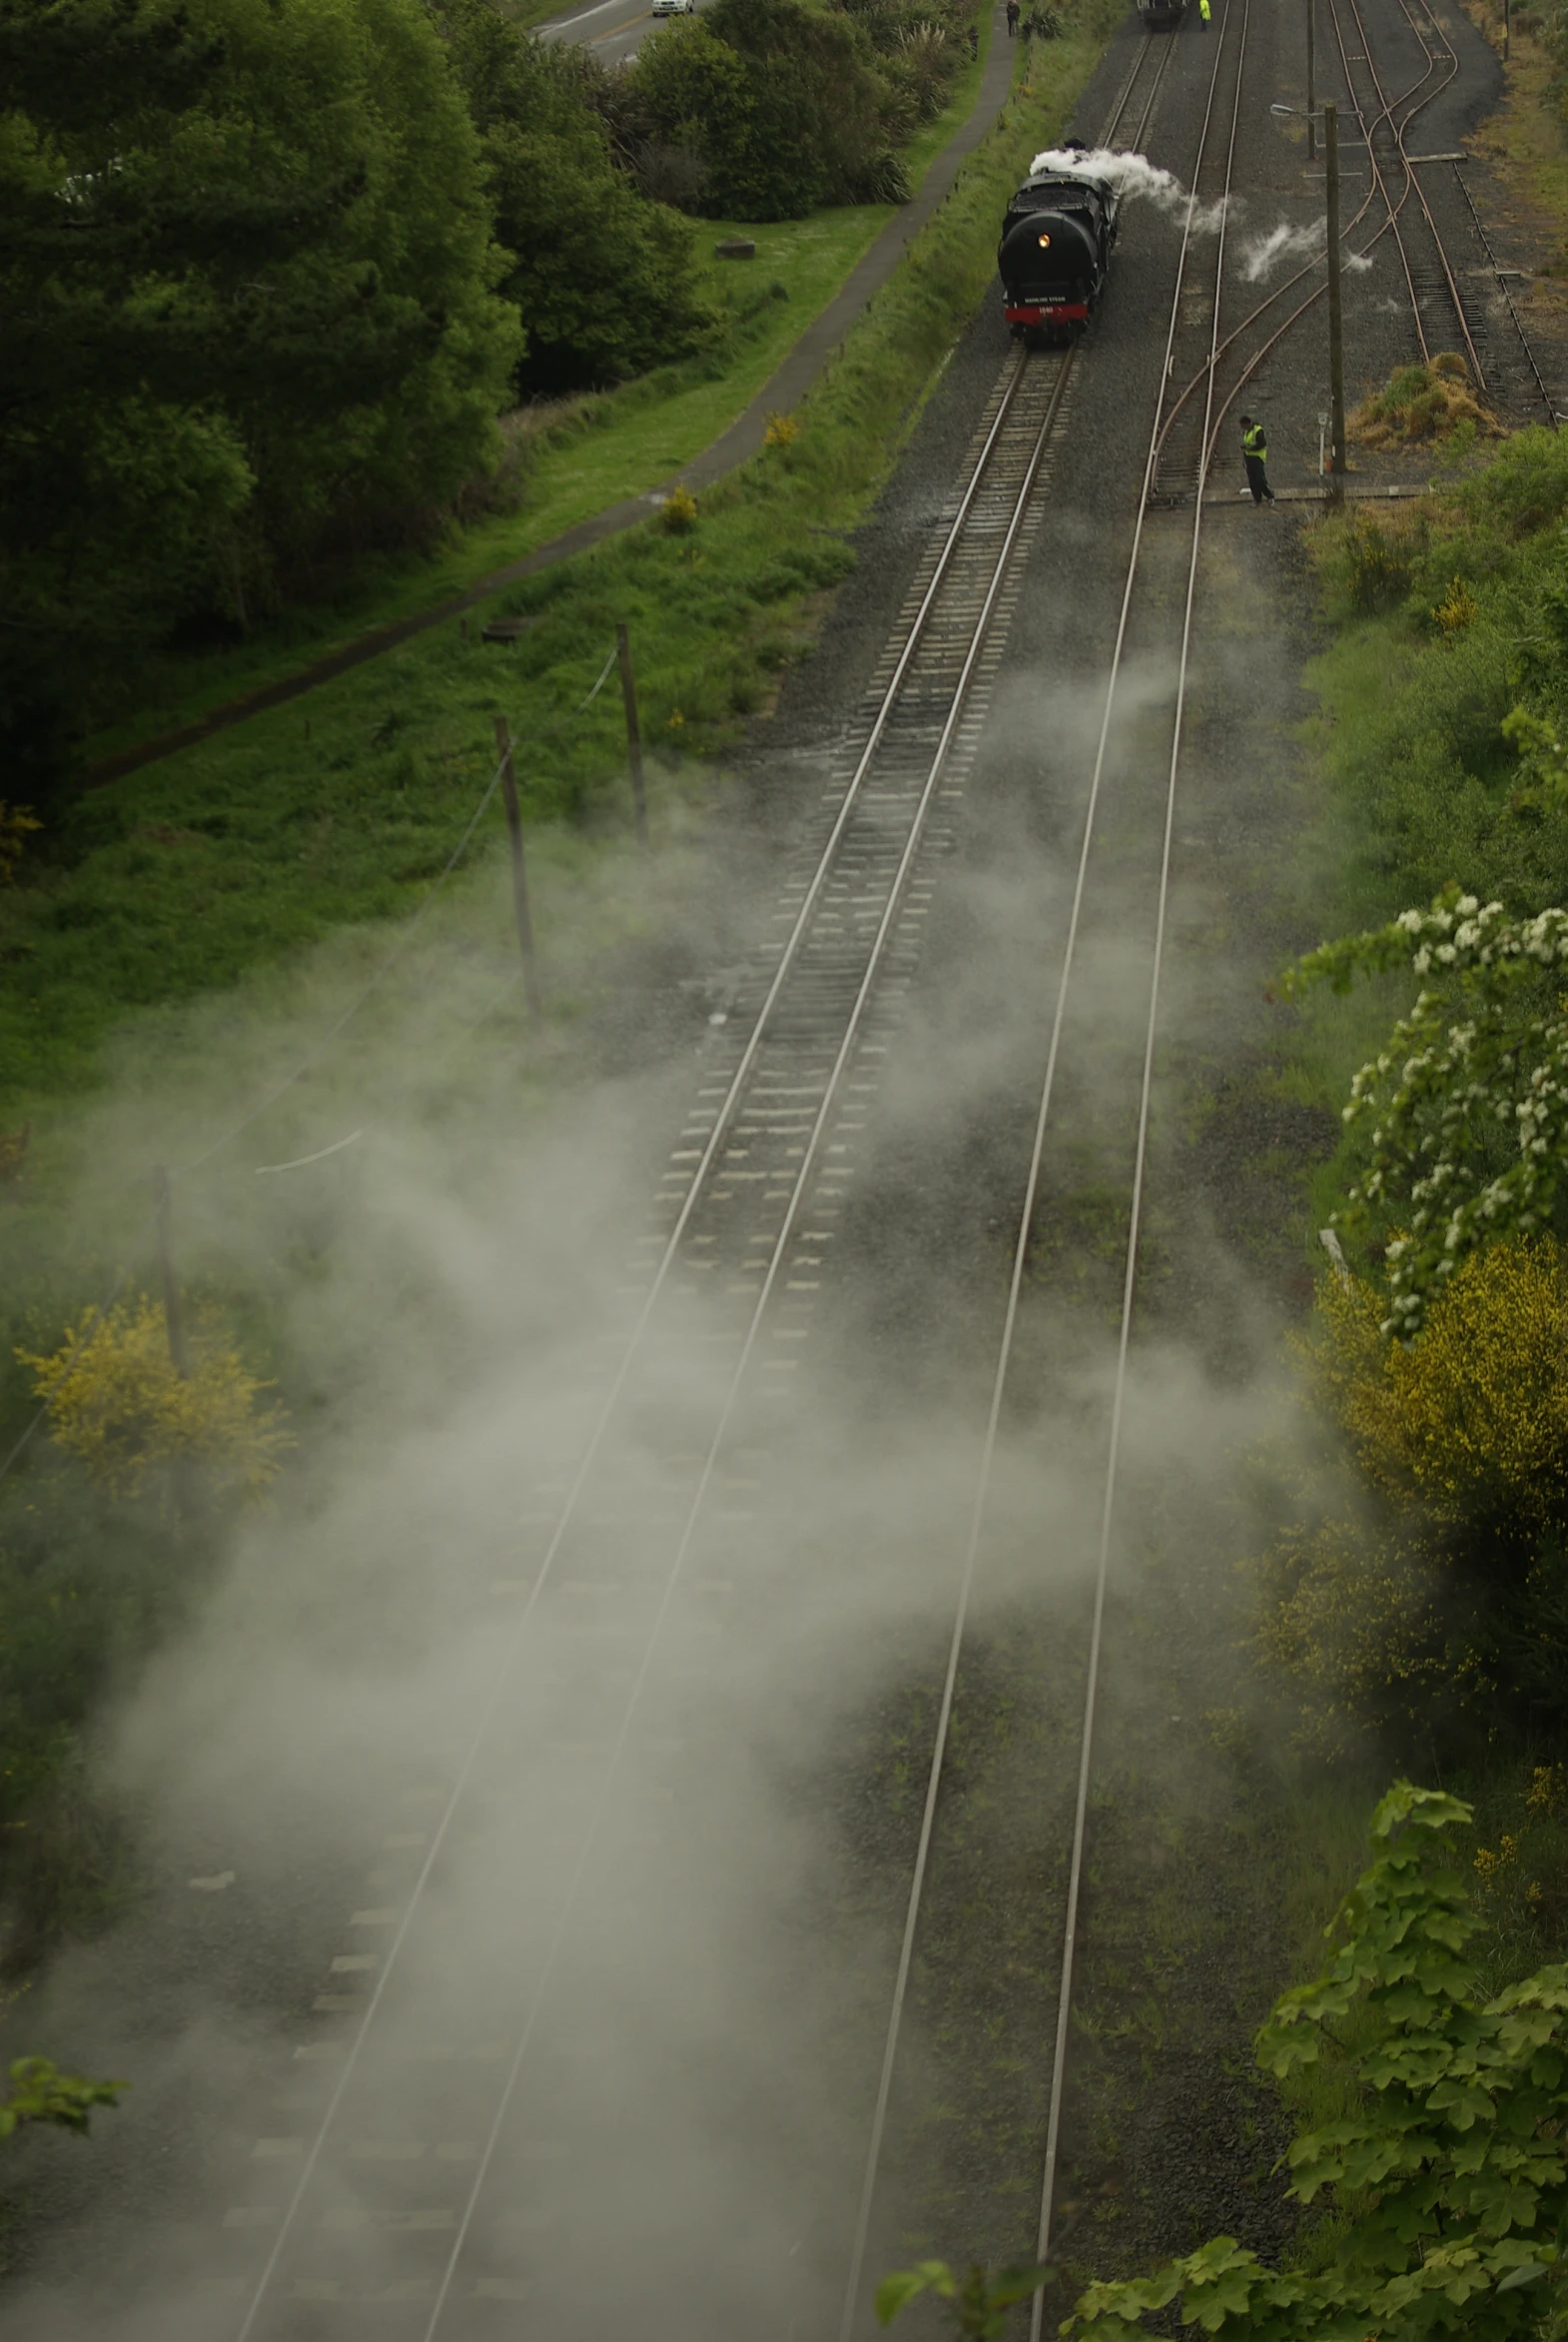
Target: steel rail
{"x": 1485, "y": 242}
{"x": 1138, "y": 134}
{"x": 1130, "y": 1283}
{"x": 811, "y": 1155}
{"x": 725, "y": 1118}
{"x": 723, "y": 1121}
{"x": 1552, "y": 416}
{"x": 1412, "y": 180}
{"x": 1125, "y": 95}
{"x": 1390, "y": 223}
{"x": 851, "y": 2302}
{"x": 1375, "y": 187}
{"x": 1215, "y": 418}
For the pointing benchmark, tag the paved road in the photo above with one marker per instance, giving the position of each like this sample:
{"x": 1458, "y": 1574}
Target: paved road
{"x": 612, "y": 29}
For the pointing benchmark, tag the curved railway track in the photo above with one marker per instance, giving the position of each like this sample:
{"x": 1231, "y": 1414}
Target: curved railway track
{"x": 1442, "y": 320}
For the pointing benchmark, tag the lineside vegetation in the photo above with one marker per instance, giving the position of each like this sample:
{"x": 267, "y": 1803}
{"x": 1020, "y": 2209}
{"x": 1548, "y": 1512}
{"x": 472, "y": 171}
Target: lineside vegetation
{"x": 273, "y": 272}
{"x": 209, "y": 877}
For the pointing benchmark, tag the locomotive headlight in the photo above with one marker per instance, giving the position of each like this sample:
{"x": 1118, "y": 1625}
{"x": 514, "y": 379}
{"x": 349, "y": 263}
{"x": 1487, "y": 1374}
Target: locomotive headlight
{"x": 1043, "y": 241}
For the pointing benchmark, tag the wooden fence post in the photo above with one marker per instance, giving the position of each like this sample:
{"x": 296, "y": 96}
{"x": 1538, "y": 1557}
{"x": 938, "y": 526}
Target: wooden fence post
{"x": 173, "y": 1315}
{"x": 519, "y": 874}
{"x": 628, "y": 689}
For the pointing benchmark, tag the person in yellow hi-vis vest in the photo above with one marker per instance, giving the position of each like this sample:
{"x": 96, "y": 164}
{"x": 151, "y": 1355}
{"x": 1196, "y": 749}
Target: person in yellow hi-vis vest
{"x": 1254, "y": 454}
{"x": 1202, "y": 10}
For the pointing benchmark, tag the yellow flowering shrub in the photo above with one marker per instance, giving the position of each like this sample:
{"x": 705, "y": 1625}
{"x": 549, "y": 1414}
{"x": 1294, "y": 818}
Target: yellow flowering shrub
{"x": 1470, "y": 1419}
{"x": 17, "y": 825}
{"x": 1457, "y": 609}
{"x": 1547, "y": 1792}
{"x": 116, "y": 1402}
{"x": 1521, "y": 1858}
{"x": 679, "y": 511}
{"x": 1490, "y": 1866}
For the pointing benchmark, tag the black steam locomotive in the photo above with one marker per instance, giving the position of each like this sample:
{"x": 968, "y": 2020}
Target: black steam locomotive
{"x": 1055, "y": 250}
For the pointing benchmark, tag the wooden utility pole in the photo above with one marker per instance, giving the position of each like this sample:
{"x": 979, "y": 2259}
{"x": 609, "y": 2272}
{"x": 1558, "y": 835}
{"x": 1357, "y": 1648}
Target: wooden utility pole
{"x": 1336, "y": 430}
{"x": 173, "y": 1315}
{"x": 519, "y": 872}
{"x": 1311, "y": 85}
{"x": 628, "y": 692}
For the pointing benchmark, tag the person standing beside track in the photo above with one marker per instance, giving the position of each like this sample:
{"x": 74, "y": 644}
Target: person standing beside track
{"x": 1254, "y": 454}
{"x": 1202, "y": 10}
{"x": 1014, "y": 13}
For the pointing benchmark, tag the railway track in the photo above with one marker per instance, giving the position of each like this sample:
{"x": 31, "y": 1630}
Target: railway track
{"x": 1451, "y": 253}
{"x": 746, "y": 1211}
{"x": 441, "y": 2064}
{"x": 390, "y": 2186}
{"x": 1143, "y": 760}
{"x": 1436, "y": 262}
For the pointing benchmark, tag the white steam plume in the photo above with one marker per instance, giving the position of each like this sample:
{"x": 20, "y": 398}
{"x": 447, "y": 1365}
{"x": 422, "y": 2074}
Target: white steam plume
{"x": 1134, "y": 175}
{"x": 1262, "y": 254}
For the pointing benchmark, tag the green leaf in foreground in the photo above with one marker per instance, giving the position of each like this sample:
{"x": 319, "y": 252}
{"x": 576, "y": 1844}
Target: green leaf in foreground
{"x": 1451, "y": 2177}
{"x": 40, "y": 2092}
{"x": 978, "y": 2304}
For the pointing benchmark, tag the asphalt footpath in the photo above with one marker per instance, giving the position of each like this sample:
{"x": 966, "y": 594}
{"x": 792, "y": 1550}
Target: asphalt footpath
{"x": 783, "y": 390}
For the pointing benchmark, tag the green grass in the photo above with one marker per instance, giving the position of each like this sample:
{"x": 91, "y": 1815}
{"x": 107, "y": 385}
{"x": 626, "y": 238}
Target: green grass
{"x": 200, "y": 931}
{"x": 257, "y": 844}
{"x": 602, "y": 449}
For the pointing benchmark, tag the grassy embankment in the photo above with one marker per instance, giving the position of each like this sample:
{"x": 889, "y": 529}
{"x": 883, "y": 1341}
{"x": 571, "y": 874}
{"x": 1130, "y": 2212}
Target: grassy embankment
{"x": 344, "y": 807}
{"x": 212, "y": 914}
{"x": 567, "y": 461}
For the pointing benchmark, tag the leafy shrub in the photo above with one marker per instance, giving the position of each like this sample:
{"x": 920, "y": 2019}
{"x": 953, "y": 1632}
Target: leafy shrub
{"x": 40, "y": 2092}
{"x": 17, "y": 825}
{"x": 1447, "y": 2172}
{"x": 1524, "y": 488}
{"x": 1457, "y": 609}
{"x": 1370, "y": 561}
{"x": 1409, "y": 1613}
{"x": 1359, "y": 1625}
{"x": 678, "y": 514}
{"x": 1470, "y": 1421}
{"x": 117, "y": 1403}
{"x": 786, "y": 106}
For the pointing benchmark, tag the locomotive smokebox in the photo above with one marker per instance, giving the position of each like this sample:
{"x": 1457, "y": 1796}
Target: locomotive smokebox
{"x": 1055, "y": 251}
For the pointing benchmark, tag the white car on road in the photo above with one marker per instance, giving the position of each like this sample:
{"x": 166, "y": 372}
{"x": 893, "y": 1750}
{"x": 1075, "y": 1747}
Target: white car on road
{"x": 673, "y": 8}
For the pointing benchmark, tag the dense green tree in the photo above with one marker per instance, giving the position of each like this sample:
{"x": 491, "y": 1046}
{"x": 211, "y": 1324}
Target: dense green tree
{"x": 604, "y": 279}
{"x": 784, "y": 104}
{"x": 247, "y": 281}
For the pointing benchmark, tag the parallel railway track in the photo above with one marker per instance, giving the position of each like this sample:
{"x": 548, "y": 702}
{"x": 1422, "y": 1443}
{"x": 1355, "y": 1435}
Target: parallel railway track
{"x": 348, "y": 2238}
{"x": 746, "y": 1211}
